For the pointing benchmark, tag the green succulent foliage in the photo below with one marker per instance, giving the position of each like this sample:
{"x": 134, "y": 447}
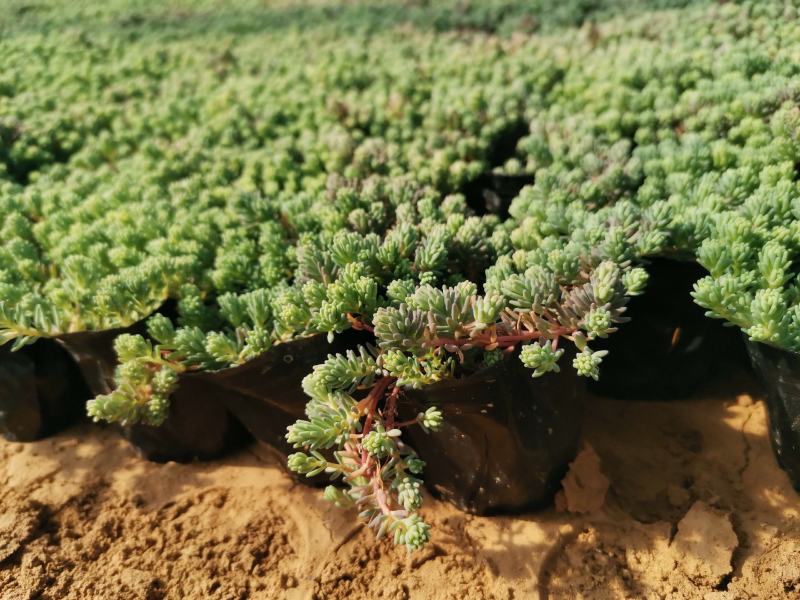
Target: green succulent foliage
{"x": 150, "y": 163}
{"x": 144, "y": 384}
{"x": 431, "y": 419}
{"x": 542, "y": 358}
{"x": 378, "y": 443}
{"x": 752, "y": 281}
{"x": 425, "y": 338}
{"x": 229, "y": 186}
{"x": 338, "y": 278}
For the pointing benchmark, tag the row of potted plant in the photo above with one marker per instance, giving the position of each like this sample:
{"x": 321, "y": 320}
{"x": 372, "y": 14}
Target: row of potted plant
{"x": 408, "y": 317}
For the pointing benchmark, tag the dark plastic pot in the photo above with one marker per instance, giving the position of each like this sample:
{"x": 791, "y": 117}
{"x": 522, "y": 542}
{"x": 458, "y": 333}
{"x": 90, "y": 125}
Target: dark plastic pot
{"x": 45, "y": 385}
{"x": 266, "y": 393}
{"x": 493, "y": 192}
{"x": 669, "y": 348}
{"x": 41, "y": 391}
{"x": 506, "y": 441}
{"x": 213, "y": 412}
{"x": 44, "y": 388}
{"x": 93, "y": 353}
{"x": 197, "y": 428}
{"x": 779, "y": 372}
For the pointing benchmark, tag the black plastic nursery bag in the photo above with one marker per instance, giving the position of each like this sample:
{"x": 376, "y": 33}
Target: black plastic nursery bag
{"x": 779, "y": 371}
{"x": 494, "y": 192}
{"x": 198, "y": 426}
{"x": 46, "y": 384}
{"x": 669, "y": 348}
{"x": 41, "y": 391}
{"x": 506, "y": 440}
{"x": 266, "y": 393}
{"x": 93, "y": 353}
{"x": 212, "y": 412}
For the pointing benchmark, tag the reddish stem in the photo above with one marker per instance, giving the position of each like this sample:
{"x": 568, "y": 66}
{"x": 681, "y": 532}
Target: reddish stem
{"x": 380, "y": 494}
{"x": 391, "y": 407}
{"x": 372, "y": 400}
{"x": 501, "y": 341}
{"x": 358, "y": 324}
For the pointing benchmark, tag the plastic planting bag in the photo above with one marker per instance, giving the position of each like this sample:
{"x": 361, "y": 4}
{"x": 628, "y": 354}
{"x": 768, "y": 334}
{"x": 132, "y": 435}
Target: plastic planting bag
{"x": 669, "y": 347}
{"x": 45, "y": 385}
{"x": 93, "y": 353}
{"x": 506, "y": 439}
{"x": 213, "y": 412}
{"x": 266, "y": 394}
{"x": 44, "y": 388}
{"x": 493, "y": 192}
{"x": 41, "y": 391}
{"x": 779, "y": 372}
{"x": 198, "y": 426}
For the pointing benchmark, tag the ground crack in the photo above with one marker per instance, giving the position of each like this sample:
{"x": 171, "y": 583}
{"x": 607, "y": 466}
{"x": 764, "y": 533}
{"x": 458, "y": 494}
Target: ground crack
{"x": 748, "y": 448}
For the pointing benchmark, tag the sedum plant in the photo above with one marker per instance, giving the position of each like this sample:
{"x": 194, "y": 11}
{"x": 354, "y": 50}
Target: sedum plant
{"x": 352, "y": 431}
{"x": 97, "y": 269}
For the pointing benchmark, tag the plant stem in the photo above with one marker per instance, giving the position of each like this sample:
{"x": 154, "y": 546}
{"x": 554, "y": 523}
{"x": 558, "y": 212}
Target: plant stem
{"x": 358, "y": 324}
{"x": 501, "y": 341}
{"x": 375, "y": 394}
{"x": 378, "y": 388}
{"x": 391, "y": 407}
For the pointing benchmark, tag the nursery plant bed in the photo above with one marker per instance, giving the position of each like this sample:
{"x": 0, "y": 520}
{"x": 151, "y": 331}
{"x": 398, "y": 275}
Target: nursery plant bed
{"x": 779, "y": 372}
{"x": 669, "y": 347}
{"x": 506, "y": 438}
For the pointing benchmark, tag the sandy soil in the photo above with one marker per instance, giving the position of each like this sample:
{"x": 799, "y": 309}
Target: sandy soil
{"x": 696, "y": 508}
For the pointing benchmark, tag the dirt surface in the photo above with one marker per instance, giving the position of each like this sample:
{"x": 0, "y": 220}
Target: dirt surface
{"x": 671, "y": 500}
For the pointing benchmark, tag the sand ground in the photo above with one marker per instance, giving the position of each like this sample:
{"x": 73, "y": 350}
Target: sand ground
{"x": 696, "y": 508}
